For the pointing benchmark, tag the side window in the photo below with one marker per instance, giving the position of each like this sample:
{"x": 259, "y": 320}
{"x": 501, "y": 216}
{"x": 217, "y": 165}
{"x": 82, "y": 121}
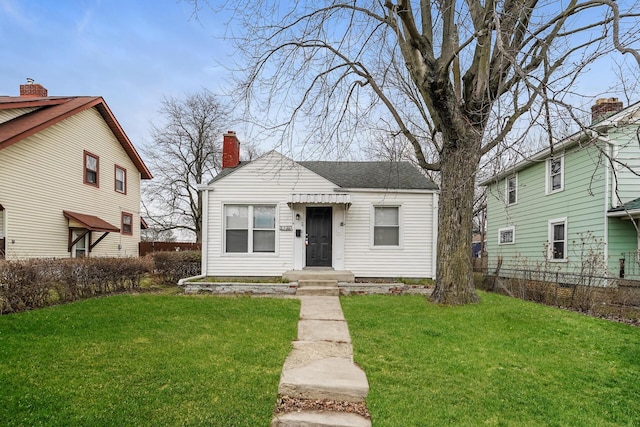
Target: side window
{"x": 386, "y": 226}
{"x": 127, "y": 223}
{"x": 557, "y": 240}
{"x": 507, "y": 236}
{"x": 512, "y": 190}
{"x": 555, "y": 175}
{"x": 91, "y": 169}
{"x": 120, "y": 179}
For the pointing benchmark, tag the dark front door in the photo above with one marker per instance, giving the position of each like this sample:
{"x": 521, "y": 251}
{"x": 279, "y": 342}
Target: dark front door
{"x": 319, "y": 236}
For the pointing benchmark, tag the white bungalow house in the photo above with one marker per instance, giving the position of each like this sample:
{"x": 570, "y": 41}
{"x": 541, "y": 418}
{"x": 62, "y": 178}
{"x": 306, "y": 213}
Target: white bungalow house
{"x": 274, "y": 214}
{"x": 69, "y": 178}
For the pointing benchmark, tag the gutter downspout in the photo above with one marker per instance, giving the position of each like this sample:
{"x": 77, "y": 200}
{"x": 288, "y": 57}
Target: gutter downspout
{"x": 204, "y": 191}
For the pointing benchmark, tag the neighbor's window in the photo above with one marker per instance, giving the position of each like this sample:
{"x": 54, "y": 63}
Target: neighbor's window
{"x": 127, "y": 223}
{"x": 386, "y": 226}
{"x": 120, "y": 179}
{"x": 558, "y": 239}
{"x": 555, "y": 174}
{"x": 507, "y": 235}
{"x": 512, "y": 190}
{"x": 250, "y": 229}
{"x": 91, "y": 168}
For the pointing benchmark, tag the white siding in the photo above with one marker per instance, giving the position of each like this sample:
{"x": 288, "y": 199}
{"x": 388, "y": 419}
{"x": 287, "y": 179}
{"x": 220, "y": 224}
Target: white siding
{"x": 627, "y": 166}
{"x": 414, "y": 256}
{"x": 42, "y": 175}
{"x": 272, "y": 178}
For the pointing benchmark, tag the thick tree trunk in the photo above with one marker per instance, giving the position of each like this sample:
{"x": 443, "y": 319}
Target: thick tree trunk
{"x": 454, "y": 275}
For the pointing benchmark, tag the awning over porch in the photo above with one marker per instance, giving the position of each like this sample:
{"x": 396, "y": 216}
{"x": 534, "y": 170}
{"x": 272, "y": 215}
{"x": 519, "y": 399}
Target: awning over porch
{"x": 629, "y": 209}
{"x": 320, "y": 199}
{"x": 90, "y": 222}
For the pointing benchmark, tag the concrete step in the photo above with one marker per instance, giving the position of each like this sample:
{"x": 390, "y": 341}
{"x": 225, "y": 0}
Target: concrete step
{"x": 303, "y": 283}
{"x": 333, "y": 378}
{"x": 324, "y": 291}
{"x": 320, "y": 419}
{"x": 321, "y": 274}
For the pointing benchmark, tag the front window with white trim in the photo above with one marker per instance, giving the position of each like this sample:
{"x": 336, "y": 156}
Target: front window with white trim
{"x": 386, "y": 226}
{"x": 557, "y": 240}
{"x": 250, "y": 229}
{"x": 555, "y": 174}
{"x": 507, "y": 235}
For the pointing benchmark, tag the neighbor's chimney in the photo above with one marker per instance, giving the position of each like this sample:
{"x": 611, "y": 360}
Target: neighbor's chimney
{"x": 603, "y": 108}
{"x": 34, "y": 90}
{"x": 230, "y": 150}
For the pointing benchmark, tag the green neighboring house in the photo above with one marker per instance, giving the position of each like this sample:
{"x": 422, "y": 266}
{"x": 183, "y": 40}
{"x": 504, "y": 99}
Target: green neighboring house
{"x": 572, "y": 212}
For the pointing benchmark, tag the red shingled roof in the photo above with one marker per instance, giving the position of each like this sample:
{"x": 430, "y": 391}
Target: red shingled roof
{"x": 52, "y": 110}
{"x": 91, "y": 222}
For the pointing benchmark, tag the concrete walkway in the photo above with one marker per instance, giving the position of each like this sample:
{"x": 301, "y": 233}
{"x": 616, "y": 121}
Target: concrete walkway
{"x": 320, "y": 367}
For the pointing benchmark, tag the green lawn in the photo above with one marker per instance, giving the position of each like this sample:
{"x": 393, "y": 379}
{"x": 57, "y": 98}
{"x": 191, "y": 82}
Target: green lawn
{"x": 145, "y": 360}
{"x": 501, "y": 362}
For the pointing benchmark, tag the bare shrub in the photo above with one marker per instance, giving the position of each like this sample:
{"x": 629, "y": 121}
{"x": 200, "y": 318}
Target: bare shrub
{"x": 169, "y": 267}
{"x": 30, "y": 284}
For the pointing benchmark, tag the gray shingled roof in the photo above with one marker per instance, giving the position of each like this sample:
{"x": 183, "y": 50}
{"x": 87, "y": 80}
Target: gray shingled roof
{"x": 387, "y": 175}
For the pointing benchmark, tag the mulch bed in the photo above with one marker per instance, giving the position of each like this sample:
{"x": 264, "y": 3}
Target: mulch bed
{"x": 292, "y": 404}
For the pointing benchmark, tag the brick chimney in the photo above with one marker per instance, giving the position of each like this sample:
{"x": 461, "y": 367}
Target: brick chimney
{"x": 33, "y": 90}
{"x": 230, "y": 150}
{"x": 603, "y": 108}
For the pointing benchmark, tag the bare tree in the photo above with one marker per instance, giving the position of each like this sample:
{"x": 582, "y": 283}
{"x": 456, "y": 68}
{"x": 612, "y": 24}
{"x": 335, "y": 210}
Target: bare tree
{"x": 186, "y": 152}
{"x": 457, "y": 77}
{"x": 156, "y": 234}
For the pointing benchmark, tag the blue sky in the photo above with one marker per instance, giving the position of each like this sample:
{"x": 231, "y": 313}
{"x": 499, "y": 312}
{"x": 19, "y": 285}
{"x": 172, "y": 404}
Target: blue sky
{"x": 131, "y": 52}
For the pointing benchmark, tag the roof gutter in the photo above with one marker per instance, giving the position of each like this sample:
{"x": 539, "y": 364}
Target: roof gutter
{"x": 384, "y": 190}
{"x": 563, "y": 145}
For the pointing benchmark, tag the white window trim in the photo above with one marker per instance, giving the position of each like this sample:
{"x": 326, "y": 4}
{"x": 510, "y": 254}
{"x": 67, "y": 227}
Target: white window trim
{"x": 373, "y": 225}
{"x": 548, "y": 180}
{"x": 249, "y": 252}
{"x": 511, "y": 228}
{"x": 550, "y": 225}
{"x": 506, "y": 190}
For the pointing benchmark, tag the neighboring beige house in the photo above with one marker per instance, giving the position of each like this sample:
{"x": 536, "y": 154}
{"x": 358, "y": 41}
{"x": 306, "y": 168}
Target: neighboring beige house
{"x": 69, "y": 178}
{"x": 273, "y": 215}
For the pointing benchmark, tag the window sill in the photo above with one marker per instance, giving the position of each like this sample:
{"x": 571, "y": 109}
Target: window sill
{"x": 249, "y": 254}
{"x": 380, "y": 247}
{"x": 564, "y": 260}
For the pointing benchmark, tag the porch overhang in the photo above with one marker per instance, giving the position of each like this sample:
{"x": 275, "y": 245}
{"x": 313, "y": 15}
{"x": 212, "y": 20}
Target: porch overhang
{"x": 89, "y": 223}
{"x": 635, "y": 214}
{"x": 629, "y": 210}
{"x": 319, "y": 199}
